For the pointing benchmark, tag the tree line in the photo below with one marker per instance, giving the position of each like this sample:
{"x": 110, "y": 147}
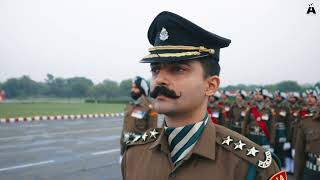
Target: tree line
{"x": 75, "y": 87}
{"x": 81, "y": 87}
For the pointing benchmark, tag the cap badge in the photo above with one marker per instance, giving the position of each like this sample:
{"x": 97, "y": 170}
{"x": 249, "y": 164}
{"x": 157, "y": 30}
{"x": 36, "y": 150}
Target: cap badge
{"x": 164, "y": 34}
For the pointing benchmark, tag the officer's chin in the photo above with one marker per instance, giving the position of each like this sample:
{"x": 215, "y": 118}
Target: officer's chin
{"x": 162, "y": 106}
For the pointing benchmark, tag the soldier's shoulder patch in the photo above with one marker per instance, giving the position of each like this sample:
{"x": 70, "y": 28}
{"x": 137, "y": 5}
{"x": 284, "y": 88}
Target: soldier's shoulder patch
{"x": 282, "y": 175}
{"x": 148, "y": 136}
{"x": 243, "y": 147}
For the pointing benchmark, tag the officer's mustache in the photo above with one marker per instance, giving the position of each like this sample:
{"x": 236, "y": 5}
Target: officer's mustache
{"x": 162, "y": 90}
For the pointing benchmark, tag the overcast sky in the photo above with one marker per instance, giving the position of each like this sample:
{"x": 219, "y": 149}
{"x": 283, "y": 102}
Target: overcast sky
{"x": 272, "y": 40}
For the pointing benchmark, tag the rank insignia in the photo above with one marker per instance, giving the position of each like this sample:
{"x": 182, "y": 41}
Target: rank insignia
{"x": 136, "y": 138}
{"x": 239, "y": 145}
{"x": 227, "y": 140}
{"x": 252, "y": 151}
{"x": 144, "y": 136}
{"x": 267, "y": 162}
{"x": 153, "y": 133}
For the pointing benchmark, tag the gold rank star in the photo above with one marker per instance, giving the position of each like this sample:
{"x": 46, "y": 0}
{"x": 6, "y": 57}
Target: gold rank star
{"x": 144, "y": 136}
{"x": 227, "y": 140}
{"x": 153, "y": 133}
{"x": 253, "y": 151}
{"x": 239, "y": 145}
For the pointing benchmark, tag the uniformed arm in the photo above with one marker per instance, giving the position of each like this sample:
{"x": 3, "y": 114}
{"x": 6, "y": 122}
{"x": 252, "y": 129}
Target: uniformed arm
{"x": 272, "y": 128}
{"x": 288, "y": 124}
{"x": 299, "y": 160}
{"x": 123, "y": 166}
{"x": 265, "y": 174}
{"x": 247, "y": 171}
{"x": 221, "y": 118}
{"x": 246, "y": 122}
{"x": 231, "y": 115}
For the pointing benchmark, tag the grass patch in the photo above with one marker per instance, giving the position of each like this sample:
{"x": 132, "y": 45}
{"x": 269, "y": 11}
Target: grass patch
{"x": 53, "y": 108}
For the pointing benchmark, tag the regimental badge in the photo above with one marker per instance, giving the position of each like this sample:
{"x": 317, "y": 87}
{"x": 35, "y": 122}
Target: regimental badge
{"x": 267, "y": 162}
{"x": 282, "y": 175}
{"x": 164, "y": 35}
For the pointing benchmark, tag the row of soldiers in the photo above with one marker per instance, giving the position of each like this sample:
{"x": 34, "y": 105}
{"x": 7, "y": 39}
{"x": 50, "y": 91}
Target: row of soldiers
{"x": 287, "y": 124}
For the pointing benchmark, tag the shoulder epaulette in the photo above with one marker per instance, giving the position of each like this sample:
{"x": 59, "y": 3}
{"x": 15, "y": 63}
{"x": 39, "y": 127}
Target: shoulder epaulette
{"x": 243, "y": 147}
{"x": 148, "y": 136}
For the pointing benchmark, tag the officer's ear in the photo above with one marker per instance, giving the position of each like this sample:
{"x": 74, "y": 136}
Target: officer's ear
{"x": 213, "y": 83}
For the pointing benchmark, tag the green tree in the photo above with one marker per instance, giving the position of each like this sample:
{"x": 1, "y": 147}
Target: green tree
{"x": 288, "y": 86}
{"x": 21, "y": 87}
{"x": 125, "y": 87}
{"x": 79, "y": 86}
{"x": 106, "y": 89}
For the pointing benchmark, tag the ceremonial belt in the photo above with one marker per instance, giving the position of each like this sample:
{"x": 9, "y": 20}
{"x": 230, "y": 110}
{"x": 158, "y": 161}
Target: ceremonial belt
{"x": 213, "y": 119}
{"x": 260, "y": 122}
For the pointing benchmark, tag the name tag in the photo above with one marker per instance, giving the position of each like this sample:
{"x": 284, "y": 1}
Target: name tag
{"x": 283, "y": 113}
{"x": 138, "y": 114}
{"x": 265, "y": 117}
{"x": 243, "y": 113}
{"x": 215, "y": 114}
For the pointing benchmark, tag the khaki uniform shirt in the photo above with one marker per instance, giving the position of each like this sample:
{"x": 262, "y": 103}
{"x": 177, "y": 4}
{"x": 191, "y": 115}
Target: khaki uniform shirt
{"x": 237, "y": 115}
{"x": 217, "y": 112}
{"x": 254, "y": 131}
{"x": 139, "y": 124}
{"x": 211, "y": 158}
{"x": 282, "y": 118}
{"x": 139, "y": 117}
{"x": 307, "y": 145}
{"x": 295, "y": 119}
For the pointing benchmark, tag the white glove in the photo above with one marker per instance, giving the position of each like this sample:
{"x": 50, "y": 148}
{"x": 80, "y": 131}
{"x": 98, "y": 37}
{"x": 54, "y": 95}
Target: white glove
{"x": 286, "y": 146}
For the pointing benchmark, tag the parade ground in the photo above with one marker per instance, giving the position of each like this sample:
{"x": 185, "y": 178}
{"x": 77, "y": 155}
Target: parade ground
{"x": 61, "y": 149}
